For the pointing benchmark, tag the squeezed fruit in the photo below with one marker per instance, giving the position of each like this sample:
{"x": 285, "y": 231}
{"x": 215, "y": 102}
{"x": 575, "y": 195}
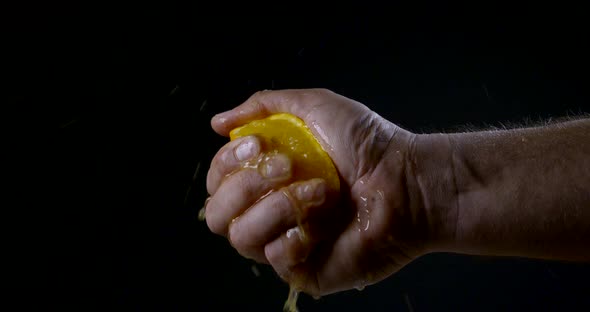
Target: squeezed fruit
{"x": 287, "y": 134}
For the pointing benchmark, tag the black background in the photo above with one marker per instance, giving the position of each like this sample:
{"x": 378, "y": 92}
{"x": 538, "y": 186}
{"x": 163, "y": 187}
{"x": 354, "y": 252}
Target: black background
{"x": 112, "y": 104}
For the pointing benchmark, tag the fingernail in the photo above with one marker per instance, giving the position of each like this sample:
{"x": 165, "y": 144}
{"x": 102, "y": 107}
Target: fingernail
{"x": 246, "y": 150}
{"x": 295, "y": 231}
{"x": 311, "y": 191}
{"x": 276, "y": 166}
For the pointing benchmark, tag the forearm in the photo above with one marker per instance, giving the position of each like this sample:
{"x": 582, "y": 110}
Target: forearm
{"x": 521, "y": 192}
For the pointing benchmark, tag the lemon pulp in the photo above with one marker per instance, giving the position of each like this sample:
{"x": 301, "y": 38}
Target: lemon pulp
{"x": 287, "y": 134}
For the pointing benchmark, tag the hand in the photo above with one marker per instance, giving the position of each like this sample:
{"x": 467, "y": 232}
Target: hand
{"x": 356, "y": 238}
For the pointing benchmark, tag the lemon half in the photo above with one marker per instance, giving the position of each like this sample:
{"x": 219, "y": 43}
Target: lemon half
{"x": 289, "y": 135}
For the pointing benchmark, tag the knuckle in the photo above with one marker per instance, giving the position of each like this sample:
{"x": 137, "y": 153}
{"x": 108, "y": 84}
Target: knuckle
{"x": 241, "y": 242}
{"x": 235, "y": 239}
{"x": 214, "y": 168}
{"x": 320, "y": 92}
{"x": 270, "y": 256}
{"x": 245, "y": 183}
{"x": 225, "y": 155}
{"x": 259, "y": 95}
{"x": 209, "y": 181}
{"x": 213, "y": 178}
{"x": 215, "y": 225}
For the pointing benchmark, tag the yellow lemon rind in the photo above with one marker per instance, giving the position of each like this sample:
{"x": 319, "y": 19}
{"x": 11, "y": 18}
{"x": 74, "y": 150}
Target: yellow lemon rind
{"x": 311, "y": 145}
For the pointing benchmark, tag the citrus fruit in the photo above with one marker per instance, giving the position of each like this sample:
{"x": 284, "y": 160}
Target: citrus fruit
{"x": 287, "y": 134}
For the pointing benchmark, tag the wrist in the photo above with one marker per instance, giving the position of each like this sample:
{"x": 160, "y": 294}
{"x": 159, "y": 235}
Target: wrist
{"x": 432, "y": 189}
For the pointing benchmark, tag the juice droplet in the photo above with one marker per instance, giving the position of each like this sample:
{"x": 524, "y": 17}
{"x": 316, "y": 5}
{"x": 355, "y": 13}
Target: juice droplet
{"x": 364, "y": 282}
{"x": 203, "y": 210}
{"x": 322, "y": 134}
{"x": 363, "y": 214}
{"x": 263, "y": 196}
{"x": 360, "y": 286}
{"x": 367, "y": 202}
{"x": 255, "y": 270}
{"x": 202, "y": 214}
{"x": 255, "y": 163}
{"x": 298, "y": 211}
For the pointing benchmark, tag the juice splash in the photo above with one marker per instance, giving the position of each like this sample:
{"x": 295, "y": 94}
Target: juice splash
{"x": 291, "y": 303}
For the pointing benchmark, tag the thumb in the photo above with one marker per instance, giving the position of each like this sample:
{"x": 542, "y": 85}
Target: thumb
{"x": 299, "y": 102}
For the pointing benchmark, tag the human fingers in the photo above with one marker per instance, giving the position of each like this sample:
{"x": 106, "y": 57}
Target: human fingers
{"x": 275, "y": 214}
{"x": 230, "y": 158}
{"x": 243, "y": 188}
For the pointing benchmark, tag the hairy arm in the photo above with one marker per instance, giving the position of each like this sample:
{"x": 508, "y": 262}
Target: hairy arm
{"x": 521, "y": 192}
